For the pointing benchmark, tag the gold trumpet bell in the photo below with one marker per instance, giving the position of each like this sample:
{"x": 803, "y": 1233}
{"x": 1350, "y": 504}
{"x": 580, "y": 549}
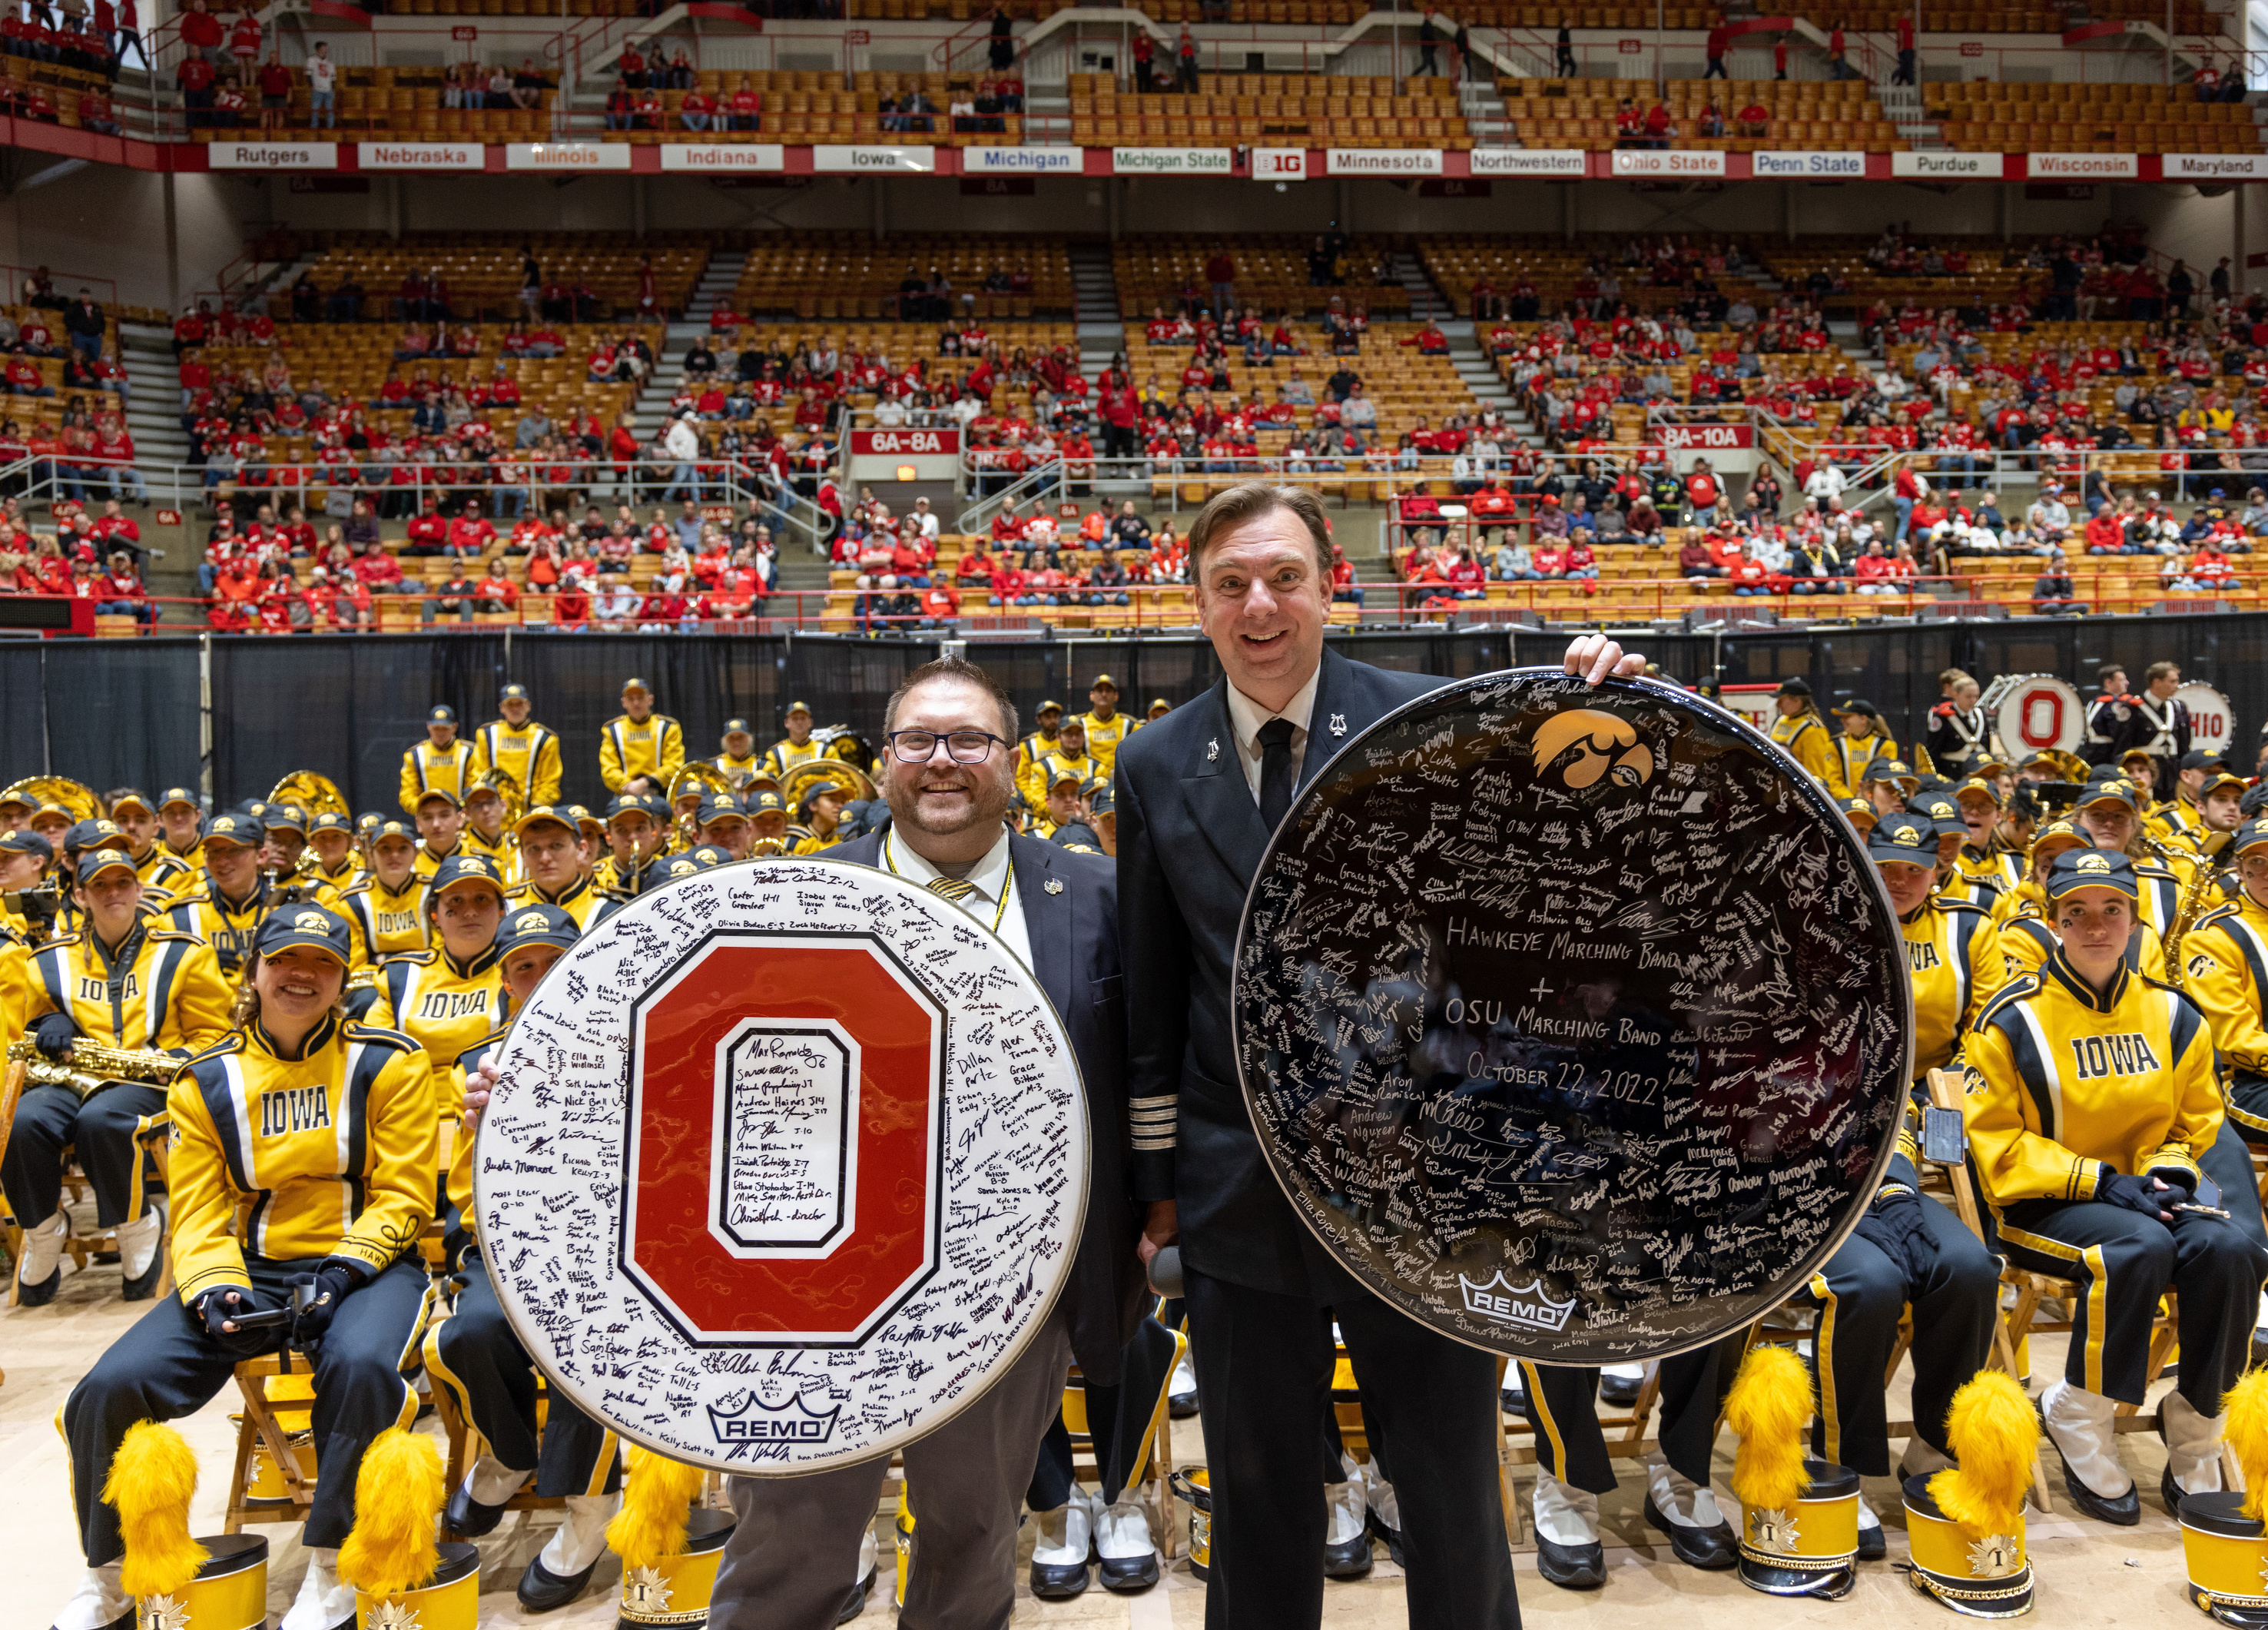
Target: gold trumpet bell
{"x": 505, "y": 786}
{"x": 314, "y": 794}
{"x": 82, "y": 800}
{"x": 799, "y": 782}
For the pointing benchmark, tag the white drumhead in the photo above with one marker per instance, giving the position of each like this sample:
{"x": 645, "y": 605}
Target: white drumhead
{"x": 787, "y": 1160}
{"x": 2037, "y": 712}
{"x": 2212, "y": 722}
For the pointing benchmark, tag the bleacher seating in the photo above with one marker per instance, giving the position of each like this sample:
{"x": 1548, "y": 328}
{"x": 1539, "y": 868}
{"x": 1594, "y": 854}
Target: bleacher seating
{"x": 483, "y": 274}
{"x": 1404, "y": 386}
{"x": 1319, "y": 110}
{"x": 851, "y": 274}
{"x": 1811, "y": 116}
{"x": 2065, "y": 116}
{"x": 1271, "y": 272}
{"x": 1556, "y": 266}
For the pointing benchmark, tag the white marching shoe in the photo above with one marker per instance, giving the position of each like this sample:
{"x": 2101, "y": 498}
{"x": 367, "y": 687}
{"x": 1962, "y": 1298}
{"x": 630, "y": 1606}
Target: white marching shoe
{"x": 325, "y": 1601}
{"x": 1567, "y": 1550}
{"x": 556, "y": 1574}
{"x": 2082, "y": 1426}
{"x": 39, "y": 1274}
{"x": 138, "y": 1252}
{"x": 1066, "y": 1538}
{"x": 2192, "y": 1451}
{"x": 101, "y": 1602}
{"x": 1126, "y": 1552}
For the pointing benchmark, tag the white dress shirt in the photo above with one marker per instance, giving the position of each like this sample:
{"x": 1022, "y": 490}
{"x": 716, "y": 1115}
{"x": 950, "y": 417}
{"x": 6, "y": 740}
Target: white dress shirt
{"x": 1246, "y": 716}
{"x": 993, "y": 879}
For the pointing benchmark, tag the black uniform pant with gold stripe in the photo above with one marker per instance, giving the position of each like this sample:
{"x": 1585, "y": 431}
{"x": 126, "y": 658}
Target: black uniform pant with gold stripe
{"x": 2228, "y": 1162}
{"x": 2123, "y": 1262}
{"x": 1859, "y": 1295}
{"x": 167, "y": 1366}
{"x": 1121, "y": 1421}
{"x": 474, "y": 1354}
{"x": 1562, "y": 1406}
{"x": 49, "y": 1119}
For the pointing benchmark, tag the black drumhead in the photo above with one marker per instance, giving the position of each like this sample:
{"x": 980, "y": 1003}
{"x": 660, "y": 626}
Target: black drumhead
{"x": 1574, "y": 1020}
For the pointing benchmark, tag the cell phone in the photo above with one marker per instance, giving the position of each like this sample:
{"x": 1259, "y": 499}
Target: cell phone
{"x": 1944, "y": 1137}
{"x": 2208, "y": 1191}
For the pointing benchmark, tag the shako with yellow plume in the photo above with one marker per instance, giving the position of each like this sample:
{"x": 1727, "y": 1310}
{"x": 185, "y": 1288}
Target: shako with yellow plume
{"x": 1965, "y": 1525}
{"x": 669, "y": 1551}
{"x": 2225, "y": 1534}
{"x": 1799, "y": 1516}
{"x": 178, "y": 1583}
{"x": 403, "y": 1578}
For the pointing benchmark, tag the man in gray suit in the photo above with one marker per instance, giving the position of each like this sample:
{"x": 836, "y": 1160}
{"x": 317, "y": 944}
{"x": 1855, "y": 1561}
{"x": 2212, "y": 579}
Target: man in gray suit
{"x": 1198, "y": 793}
{"x": 948, "y": 775}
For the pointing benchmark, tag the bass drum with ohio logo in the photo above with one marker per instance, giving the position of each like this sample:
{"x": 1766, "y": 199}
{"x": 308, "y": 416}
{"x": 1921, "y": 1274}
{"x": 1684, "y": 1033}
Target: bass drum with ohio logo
{"x": 1574, "y": 1021}
{"x": 787, "y": 1162}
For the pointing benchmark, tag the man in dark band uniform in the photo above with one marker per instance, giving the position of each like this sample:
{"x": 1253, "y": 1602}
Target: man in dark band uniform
{"x": 1197, "y": 794}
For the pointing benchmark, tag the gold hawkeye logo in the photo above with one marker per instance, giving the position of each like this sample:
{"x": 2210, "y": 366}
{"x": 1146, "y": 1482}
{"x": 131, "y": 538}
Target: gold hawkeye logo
{"x": 1594, "y": 744}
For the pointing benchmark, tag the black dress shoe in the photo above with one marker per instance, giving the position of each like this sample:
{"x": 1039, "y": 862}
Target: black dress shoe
{"x": 1391, "y": 1536}
{"x": 855, "y": 1604}
{"x": 42, "y": 1294}
{"x": 541, "y": 1590}
{"x": 1180, "y": 1405}
{"x": 2125, "y": 1510}
{"x": 2171, "y": 1492}
{"x": 1128, "y": 1575}
{"x": 1711, "y": 1549}
{"x": 1058, "y": 1582}
{"x": 1621, "y": 1391}
{"x": 1873, "y": 1544}
{"x": 142, "y": 1287}
{"x": 1571, "y": 1567}
{"x": 1350, "y": 1560}
{"x": 1513, "y": 1400}
{"x": 467, "y": 1517}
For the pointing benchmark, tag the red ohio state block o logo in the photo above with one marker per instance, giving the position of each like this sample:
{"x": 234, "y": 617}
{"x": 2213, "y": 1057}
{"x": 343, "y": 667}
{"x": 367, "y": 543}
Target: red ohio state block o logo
{"x": 782, "y": 1163}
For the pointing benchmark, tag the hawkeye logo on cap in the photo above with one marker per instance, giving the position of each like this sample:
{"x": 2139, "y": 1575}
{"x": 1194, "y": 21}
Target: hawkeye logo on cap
{"x": 2093, "y": 863}
{"x": 1906, "y": 835}
{"x": 311, "y": 922}
{"x": 1596, "y": 738}
{"x": 530, "y": 922}
{"x": 682, "y": 868}
{"x": 475, "y": 864}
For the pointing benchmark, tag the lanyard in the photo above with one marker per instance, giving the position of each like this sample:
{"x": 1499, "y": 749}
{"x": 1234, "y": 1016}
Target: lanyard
{"x": 998, "y": 912}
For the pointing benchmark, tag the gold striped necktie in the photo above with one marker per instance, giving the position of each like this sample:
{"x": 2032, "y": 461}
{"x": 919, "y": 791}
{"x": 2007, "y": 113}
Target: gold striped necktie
{"x": 951, "y": 888}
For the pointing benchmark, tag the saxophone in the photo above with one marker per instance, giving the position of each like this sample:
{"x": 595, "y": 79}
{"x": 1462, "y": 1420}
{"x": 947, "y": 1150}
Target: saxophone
{"x": 89, "y": 1067}
{"x": 2195, "y": 902}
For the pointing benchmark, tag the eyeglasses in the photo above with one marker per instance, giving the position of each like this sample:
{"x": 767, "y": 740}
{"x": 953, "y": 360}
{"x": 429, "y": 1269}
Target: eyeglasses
{"x": 966, "y": 747}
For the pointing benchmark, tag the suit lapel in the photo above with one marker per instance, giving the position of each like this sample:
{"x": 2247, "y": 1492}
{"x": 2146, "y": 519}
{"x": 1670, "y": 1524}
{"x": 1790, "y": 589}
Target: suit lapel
{"x": 1220, "y": 796}
{"x": 1331, "y": 698}
{"x": 1047, "y": 916}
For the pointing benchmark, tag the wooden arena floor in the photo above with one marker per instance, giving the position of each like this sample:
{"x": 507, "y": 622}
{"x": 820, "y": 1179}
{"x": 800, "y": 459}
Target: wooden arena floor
{"x": 2088, "y": 1574}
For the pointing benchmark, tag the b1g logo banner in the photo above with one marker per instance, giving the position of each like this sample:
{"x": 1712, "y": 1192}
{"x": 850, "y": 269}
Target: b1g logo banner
{"x": 787, "y": 1159}
{"x": 1572, "y": 1019}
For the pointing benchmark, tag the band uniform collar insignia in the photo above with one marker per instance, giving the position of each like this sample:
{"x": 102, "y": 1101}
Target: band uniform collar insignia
{"x": 1338, "y": 723}
{"x": 1054, "y": 885}
{"x": 1212, "y": 749}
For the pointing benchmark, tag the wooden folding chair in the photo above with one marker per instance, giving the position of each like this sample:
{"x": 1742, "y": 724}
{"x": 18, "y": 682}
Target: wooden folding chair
{"x": 1153, "y": 1477}
{"x": 274, "y": 1478}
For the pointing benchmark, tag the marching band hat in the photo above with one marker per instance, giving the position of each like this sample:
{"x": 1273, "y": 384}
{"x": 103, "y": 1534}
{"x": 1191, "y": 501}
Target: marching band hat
{"x": 1064, "y": 772}
{"x": 285, "y": 818}
{"x": 1100, "y": 800}
{"x": 96, "y": 861}
{"x": 1103, "y": 682}
{"x": 391, "y": 828}
{"x": 464, "y": 868}
{"x": 1965, "y": 1523}
{"x": 16, "y": 798}
{"x": 2222, "y": 776}
{"x": 737, "y": 727}
{"x": 636, "y": 683}
{"x": 1858, "y": 705}
{"x": 1794, "y": 687}
{"x": 536, "y": 924}
{"x": 332, "y": 821}
{"x": 1860, "y": 812}
{"x": 2223, "y": 1539}
{"x": 1047, "y": 707}
{"x": 26, "y": 841}
{"x": 2111, "y": 790}
{"x": 219, "y": 1583}
{"x": 1799, "y": 1516}
{"x": 2251, "y": 835}
{"x": 242, "y": 831}
{"x": 94, "y": 834}
{"x": 765, "y": 803}
{"x": 173, "y": 795}
{"x": 368, "y": 822}
{"x": 2197, "y": 758}
{"x": 1978, "y": 787}
{"x": 130, "y": 796}
{"x": 556, "y": 813}
{"x": 793, "y": 708}
{"x": 1158, "y": 705}
{"x": 315, "y": 928}
{"x": 442, "y": 715}
{"x": 441, "y": 793}
{"x": 1906, "y": 839}
{"x": 629, "y": 803}
{"x": 708, "y": 855}
{"x": 2075, "y": 869}
{"x": 512, "y": 693}
{"x": 1941, "y": 808}
{"x": 721, "y": 807}
{"x": 1891, "y": 770}
{"x": 585, "y": 822}
{"x": 2133, "y": 753}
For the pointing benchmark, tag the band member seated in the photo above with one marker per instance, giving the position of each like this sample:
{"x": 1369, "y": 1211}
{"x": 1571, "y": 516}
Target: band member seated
{"x": 2225, "y": 971}
{"x": 2027, "y": 937}
{"x": 388, "y": 908}
{"x": 1909, "y": 1250}
{"x": 725, "y": 824}
{"x": 125, "y": 981}
{"x": 796, "y": 747}
{"x": 441, "y": 828}
{"x": 336, "y": 869}
{"x": 2091, "y": 1094}
{"x": 475, "y": 1355}
{"x": 449, "y": 997}
{"x": 137, "y": 818}
{"x": 322, "y": 1131}
{"x": 636, "y": 833}
{"x": 225, "y": 906}
{"x": 551, "y": 856}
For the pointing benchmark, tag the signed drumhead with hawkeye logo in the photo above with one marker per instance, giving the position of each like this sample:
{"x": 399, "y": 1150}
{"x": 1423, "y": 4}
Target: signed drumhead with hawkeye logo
{"x": 786, "y": 1162}
{"x": 1574, "y": 1021}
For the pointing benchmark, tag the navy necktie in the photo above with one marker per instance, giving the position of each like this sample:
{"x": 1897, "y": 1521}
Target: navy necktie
{"x": 1279, "y": 776}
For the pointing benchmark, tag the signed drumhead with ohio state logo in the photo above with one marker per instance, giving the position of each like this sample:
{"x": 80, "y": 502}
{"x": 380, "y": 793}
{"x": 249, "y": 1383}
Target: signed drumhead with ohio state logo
{"x": 786, "y": 1160}
{"x": 1573, "y": 1020}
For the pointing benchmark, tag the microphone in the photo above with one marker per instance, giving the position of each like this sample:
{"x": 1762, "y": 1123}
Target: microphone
{"x": 1166, "y": 1271}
